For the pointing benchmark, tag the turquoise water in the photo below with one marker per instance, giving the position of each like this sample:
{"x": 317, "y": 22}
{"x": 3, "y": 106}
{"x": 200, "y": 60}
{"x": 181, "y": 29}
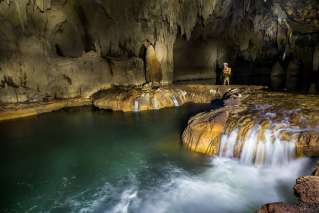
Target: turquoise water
{"x": 83, "y": 160}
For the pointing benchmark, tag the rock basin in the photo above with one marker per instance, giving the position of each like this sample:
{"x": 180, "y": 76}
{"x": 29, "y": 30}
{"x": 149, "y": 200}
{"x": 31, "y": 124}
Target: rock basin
{"x": 287, "y": 120}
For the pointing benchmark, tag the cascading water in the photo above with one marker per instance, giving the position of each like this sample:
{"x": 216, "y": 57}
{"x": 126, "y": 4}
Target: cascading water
{"x": 175, "y": 101}
{"x": 123, "y": 163}
{"x": 155, "y": 103}
{"x": 260, "y": 144}
{"x": 270, "y": 151}
{"x": 136, "y": 106}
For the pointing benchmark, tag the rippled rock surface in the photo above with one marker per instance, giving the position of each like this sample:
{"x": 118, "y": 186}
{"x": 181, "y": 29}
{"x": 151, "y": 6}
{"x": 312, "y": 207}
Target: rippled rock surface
{"x": 135, "y": 100}
{"x": 153, "y": 98}
{"x": 267, "y": 128}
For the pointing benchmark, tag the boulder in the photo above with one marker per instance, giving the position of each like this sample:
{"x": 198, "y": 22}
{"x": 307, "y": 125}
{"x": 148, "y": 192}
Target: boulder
{"x": 307, "y": 189}
{"x": 308, "y": 144}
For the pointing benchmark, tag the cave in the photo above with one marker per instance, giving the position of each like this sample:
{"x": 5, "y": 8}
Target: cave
{"x": 159, "y": 106}
{"x": 195, "y": 60}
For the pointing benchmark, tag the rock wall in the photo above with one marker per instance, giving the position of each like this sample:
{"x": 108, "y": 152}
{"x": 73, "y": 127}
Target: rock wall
{"x": 198, "y": 60}
{"x": 34, "y": 31}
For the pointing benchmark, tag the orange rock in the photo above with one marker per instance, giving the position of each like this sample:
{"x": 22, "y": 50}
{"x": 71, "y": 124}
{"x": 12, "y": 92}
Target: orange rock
{"x": 204, "y": 131}
{"x": 307, "y": 189}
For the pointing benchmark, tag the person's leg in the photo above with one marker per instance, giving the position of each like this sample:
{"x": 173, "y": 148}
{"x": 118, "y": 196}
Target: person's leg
{"x": 227, "y": 81}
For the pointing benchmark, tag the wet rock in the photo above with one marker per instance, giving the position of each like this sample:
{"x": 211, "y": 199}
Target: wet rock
{"x": 141, "y": 99}
{"x": 203, "y": 132}
{"x": 307, "y": 189}
{"x": 278, "y": 208}
{"x": 148, "y": 97}
{"x": 269, "y": 117}
{"x": 308, "y": 144}
{"x": 15, "y": 111}
{"x": 288, "y": 208}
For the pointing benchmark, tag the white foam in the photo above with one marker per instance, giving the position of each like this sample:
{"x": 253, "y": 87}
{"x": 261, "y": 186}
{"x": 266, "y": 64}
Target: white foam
{"x": 136, "y": 106}
{"x": 175, "y": 101}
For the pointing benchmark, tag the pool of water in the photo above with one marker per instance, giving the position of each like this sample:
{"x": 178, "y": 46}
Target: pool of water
{"x": 83, "y": 160}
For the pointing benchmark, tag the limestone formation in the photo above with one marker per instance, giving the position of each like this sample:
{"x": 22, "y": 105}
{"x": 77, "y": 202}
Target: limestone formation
{"x": 13, "y": 111}
{"x": 290, "y": 118}
{"x": 153, "y": 67}
{"x": 36, "y": 33}
{"x": 147, "y": 98}
{"x": 203, "y": 132}
{"x": 39, "y": 78}
{"x": 127, "y": 72}
{"x": 307, "y": 191}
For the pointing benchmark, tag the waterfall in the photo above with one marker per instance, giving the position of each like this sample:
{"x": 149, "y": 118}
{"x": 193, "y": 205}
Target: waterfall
{"x": 155, "y": 103}
{"x": 175, "y": 101}
{"x": 136, "y": 106}
{"x": 269, "y": 140}
{"x": 259, "y": 148}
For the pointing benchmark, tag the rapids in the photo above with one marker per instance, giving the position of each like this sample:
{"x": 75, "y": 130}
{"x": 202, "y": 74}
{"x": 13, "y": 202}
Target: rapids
{"x": 94, "y": 162}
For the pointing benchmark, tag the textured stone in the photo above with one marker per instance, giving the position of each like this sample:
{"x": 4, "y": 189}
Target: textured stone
{"x": 203, "y": 132}
{"x": 146, "y": 98}
{"x": 54, "y": 77}
{"x": 278, "y": 208}
{"x": 35, "y": 31}
{"x": 153, "y": 67}
{"x": 307, "y": 189}
{"x": 127, "y": 72}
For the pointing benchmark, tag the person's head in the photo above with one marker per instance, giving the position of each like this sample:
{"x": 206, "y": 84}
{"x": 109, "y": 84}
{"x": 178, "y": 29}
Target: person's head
{"x": 225, "y": 64}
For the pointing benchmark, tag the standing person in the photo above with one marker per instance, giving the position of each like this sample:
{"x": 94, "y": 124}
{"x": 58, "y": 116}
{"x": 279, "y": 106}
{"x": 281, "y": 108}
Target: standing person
{"x": 227, "y": 74}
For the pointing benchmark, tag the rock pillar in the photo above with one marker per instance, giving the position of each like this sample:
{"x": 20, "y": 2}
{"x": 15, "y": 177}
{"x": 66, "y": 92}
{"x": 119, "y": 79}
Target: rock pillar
{"x": 153, "y": 67}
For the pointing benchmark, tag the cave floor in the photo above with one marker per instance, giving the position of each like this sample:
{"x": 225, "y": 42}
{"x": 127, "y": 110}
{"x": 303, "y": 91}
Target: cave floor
{"x": 168, "y": 96}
